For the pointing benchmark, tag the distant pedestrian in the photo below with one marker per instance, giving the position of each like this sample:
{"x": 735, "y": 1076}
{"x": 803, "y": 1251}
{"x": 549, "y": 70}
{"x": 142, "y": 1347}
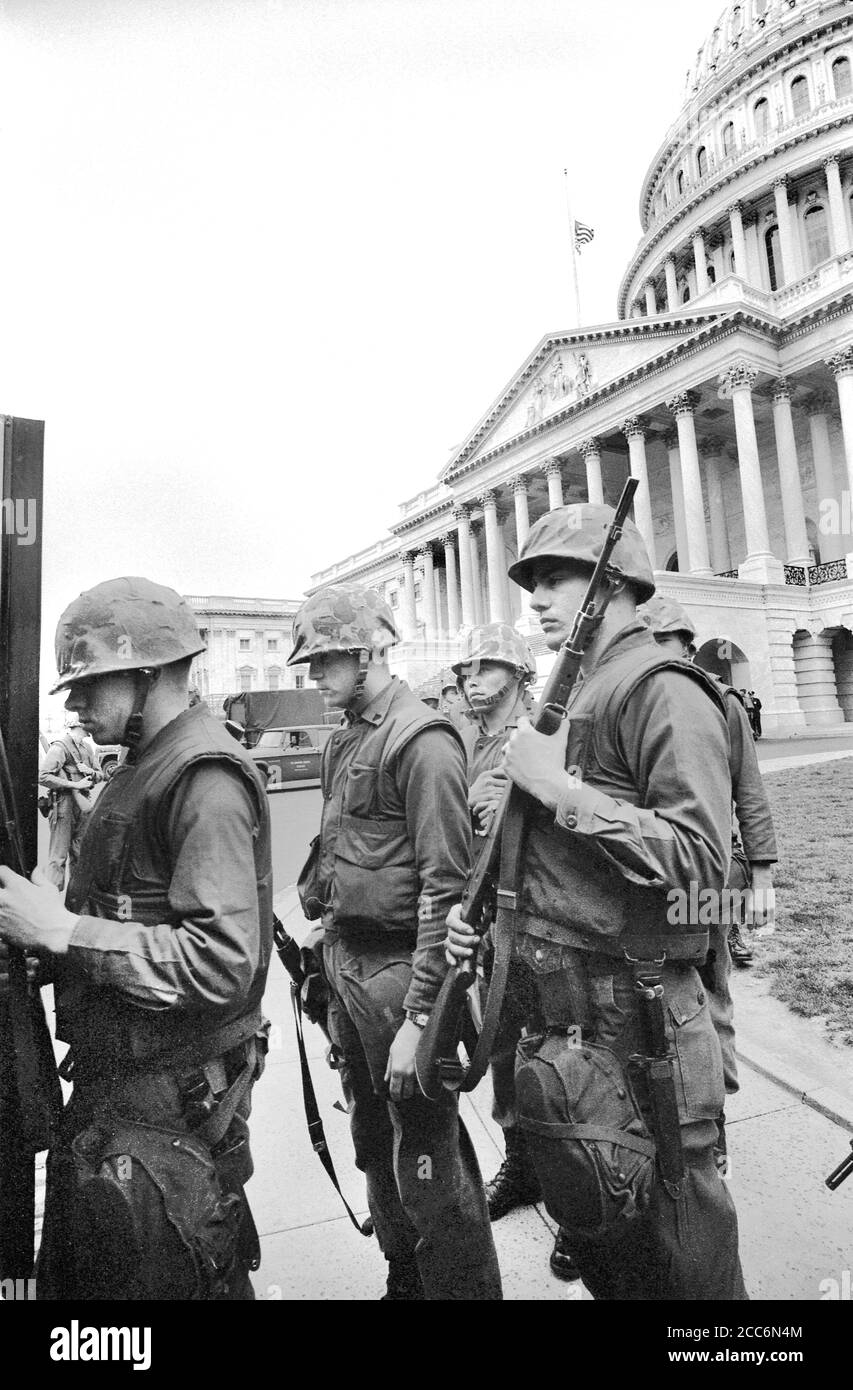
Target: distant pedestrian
{"x": 69, "y": 771}
{"x": 756, "y": 714}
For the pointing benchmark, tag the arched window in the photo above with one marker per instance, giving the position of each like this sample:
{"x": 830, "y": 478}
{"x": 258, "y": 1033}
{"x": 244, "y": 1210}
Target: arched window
{"x": 679, "y": 181}
{"x": 701, "y": 161}
{"x": 774, "y": 258}
{"x": 711, "y": 274}
{"x": 842, "y": 81}
{"x": 728, "y": 138}
{"x": 800, "y": 96}
{"x": 761, "y": 117}
{"x": 817, "y": 236}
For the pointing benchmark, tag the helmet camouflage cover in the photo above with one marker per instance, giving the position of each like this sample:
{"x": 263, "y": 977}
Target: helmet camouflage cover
{"x": 125, "y": 624}
{"x": 342, "y": 618}
{"x": 576, "y": 534}
{"x": 497, "y": 642}
{"x": 664, "y": 616}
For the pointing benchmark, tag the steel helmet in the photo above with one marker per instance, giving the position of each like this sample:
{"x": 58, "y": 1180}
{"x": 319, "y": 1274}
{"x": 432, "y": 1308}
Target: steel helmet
{"x": 497, "y": 642}
{"x": 664, "y": 616}
{"x": 576, "y": 533}
{"x": 125, "y": 624}
{"x": 342, "y": 618}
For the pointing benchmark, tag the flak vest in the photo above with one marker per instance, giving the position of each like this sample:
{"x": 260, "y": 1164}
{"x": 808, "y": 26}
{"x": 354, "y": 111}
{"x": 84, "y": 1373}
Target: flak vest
{"x": 123, "y": 874}
{"x": 571, "y": 893}
{"x": 375, "y": 885}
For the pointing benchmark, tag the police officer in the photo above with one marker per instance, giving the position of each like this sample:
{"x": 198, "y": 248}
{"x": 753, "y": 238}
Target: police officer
{"x": 634, "y": 801}
{"x": 753, "y": 841}
{"x": 159, "y": 956}
{"x": 392, "y": 855}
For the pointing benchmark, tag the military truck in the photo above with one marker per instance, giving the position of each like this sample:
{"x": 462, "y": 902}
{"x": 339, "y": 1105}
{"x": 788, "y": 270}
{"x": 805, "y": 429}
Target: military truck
{"x": 284, "y": 731}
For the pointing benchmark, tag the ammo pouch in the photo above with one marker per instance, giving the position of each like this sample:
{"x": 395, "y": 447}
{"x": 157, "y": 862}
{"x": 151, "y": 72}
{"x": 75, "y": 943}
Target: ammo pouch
{"x": 594, "y": 1155}
{"x": 149, "y": 1217}
{"x": 308, "y": 883}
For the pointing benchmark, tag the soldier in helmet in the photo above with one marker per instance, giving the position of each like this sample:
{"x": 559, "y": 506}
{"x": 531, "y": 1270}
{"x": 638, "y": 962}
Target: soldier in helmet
{"x": 159, "y": 956}
{"x": 753, "y": 840}
{"x": 633, "y": 800}
{"x": 391, "y": 857}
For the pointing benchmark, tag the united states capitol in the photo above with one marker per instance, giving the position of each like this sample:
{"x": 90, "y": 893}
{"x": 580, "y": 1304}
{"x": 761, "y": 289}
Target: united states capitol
{"x": 724, "y": 385}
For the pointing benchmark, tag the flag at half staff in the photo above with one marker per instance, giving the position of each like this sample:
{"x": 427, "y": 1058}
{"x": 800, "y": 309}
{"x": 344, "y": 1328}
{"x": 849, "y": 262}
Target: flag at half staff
{"x": 583, "y": 235}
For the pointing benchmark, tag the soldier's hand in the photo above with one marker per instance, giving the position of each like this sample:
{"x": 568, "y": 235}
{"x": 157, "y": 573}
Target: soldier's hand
{"x": 32, "y": 913}
{"x": 400, "y": 1071}
{"x": 486, "y": 791}
{"x": 762, "y": 913}
{"x": 461, "y": 938}
{"x": 32, "y": 967}
{"x": 537, "y": 762}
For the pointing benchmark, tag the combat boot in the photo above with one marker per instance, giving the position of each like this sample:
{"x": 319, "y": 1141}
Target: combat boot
{"x": 740, "y": 953}
{"x": 404, "y": 1282}
{"x": 515, "y": 1184}
{"x": 562, "y": 1263}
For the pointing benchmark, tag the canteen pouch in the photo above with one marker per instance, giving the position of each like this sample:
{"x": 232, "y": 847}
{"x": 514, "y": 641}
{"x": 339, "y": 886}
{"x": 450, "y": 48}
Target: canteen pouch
{"x": 593, "y": 1153}
{"x": 149, "y": 1217}
{"x": 308, "y": 883}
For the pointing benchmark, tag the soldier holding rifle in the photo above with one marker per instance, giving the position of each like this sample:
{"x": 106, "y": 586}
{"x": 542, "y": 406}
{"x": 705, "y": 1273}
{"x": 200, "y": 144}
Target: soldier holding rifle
{"x": 628, "y": 800}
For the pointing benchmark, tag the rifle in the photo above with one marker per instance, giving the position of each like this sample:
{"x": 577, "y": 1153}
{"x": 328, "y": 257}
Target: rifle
{"x": 844, "y": 1169}
{"x": 30, "y": 1096}
{"x": 499, "y": 864}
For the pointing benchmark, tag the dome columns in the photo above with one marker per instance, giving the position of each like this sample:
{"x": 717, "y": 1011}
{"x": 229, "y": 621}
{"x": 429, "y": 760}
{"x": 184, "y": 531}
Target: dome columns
{"x": 838, "y": 219}
{"x": 700, "y": 261}
{"x": 786, "y": 231}
{"x": 651, "y": 298}
{"x": 671, "y": 285}
{"x": 738, "y": 242}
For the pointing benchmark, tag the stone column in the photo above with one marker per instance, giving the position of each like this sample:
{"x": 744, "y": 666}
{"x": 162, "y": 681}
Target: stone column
{"x": 718, "y": 255}
{"x": 554, "y": 474}
{"x": 841, "y": 366}
{"x": 735, "y": 384}
{"x": 522, "y": 515}
{"x": 428, "y": 592}
{"x": 477, "y": 573}
{"x": 635, "y": 432}
{"x": 786, "y": 235}
{"x": 410, "y": 617}
{"x": 452, "y": 585}
{"x": 462, "y": 517}
{"x": 700, "y": 262}
{"x": 753, "y": 257}
{"x": 837, "y": 212}
{"x": 712, "y": 449}
{"x": 671, "y": 285}
{"x": 651, "y": 299}
{"x": 494, "y": 557}
{"x": 818, "y": 409}
{"x": 682, "y": 407}
{"x": 738, "y": 242}
{"x": 816, "y": 688}
{"x": 670, "y": 440}
{"x": 591, "y": 451}
{"x": 796, "y": 540}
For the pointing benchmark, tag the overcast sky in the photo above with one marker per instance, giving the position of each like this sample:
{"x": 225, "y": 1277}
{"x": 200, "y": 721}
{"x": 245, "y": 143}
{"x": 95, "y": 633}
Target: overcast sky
{"x": 266, "y": 262}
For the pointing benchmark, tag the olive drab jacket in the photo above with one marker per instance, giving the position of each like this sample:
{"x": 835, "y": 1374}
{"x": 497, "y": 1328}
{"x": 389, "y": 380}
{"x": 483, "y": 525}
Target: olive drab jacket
{"x": 395, "y": 835}
{"x": 174, "y": 890}
{"x": 652, "y": 812}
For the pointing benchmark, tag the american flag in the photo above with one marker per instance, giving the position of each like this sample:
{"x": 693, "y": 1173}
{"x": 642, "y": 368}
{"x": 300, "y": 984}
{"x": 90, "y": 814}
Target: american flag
{"x": 583, "y": 235}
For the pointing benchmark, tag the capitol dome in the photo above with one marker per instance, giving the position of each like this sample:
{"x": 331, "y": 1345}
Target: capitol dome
{"x": 739, "y": 186}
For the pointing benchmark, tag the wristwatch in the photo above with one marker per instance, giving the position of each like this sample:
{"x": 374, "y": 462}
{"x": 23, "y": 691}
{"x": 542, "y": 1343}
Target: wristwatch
{"x": 420, "y": 1020}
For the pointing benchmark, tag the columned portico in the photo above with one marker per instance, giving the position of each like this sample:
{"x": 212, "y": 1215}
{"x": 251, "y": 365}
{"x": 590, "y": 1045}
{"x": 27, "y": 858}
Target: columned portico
{"x": 711, "y": 450}
{"x": 670, "y": 440}
{"x": 462, "y": 517}
{"x": 786, "y": 231}
{"x": 818, "y": 410}
{"x": 554, "y": 474}
{"x": 452, "y": 585}
{"x": 591, "y": 453}
{"x": 428, "y": 592}
{"x": 753, "y": 259}
{"x": 651, "y": 298}
{"x": 837, "y": 212}
{"x": 738, "y": 242}
{"x": 522, "y": 513}
{"x": 410, "y": 619}
{"x": 700, "y": 261}
{"x": 671, "y": 285}
{"x": 634, "y": 431}
{"x": 476, "y": 572}
{"x": 494, "y": 556}
{"x": 761, "y": 565}
{"x": 682, "y": 407}
{"x": 796, "y": 540}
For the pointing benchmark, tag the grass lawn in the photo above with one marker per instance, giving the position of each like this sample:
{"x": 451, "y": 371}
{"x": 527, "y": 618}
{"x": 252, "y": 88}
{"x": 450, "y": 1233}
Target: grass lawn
{"x": 810, "y": 957}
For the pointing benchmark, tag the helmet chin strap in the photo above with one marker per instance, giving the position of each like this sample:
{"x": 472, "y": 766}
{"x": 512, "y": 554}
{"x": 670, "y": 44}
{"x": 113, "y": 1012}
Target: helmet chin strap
{"x": 145, "y": 678}
{"x": 481, "y": 704}
{"x": 360, "y": 679}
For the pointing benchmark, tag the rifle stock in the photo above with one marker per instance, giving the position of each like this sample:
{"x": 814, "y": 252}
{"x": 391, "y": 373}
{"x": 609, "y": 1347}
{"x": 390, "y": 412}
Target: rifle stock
{"x": 437, "y": 1063}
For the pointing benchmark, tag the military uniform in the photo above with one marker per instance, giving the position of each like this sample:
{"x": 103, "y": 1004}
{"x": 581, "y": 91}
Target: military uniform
{"x": 650, "y": 813}
{"x": 392, "y": 856}
{"x": 66, "y": 758}
{"x": 159, "y": 993}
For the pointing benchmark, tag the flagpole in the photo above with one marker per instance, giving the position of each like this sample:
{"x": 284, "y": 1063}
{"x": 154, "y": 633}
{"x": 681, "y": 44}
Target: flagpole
{"x": 573, "y": 253}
